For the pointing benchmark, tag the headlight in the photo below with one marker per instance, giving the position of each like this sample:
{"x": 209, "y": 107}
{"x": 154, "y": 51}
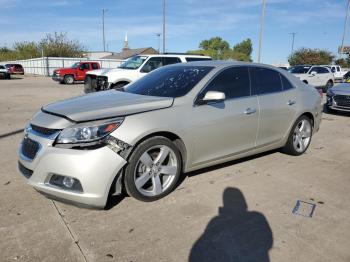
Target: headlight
{"x": 88, "y": 132}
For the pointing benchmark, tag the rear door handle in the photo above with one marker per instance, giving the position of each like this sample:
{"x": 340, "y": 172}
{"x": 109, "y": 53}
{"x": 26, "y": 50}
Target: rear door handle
{"x": 250, "y": 111}
{"x": 291, "y": 102}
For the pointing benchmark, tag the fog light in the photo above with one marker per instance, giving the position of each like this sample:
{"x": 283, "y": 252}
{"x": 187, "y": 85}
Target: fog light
{"x": 68, "y": 181}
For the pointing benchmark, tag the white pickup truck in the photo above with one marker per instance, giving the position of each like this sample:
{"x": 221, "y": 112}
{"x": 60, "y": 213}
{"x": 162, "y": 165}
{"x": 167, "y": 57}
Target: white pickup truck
{"x": 337, "y": 72}
{"x": 133, "y": 69}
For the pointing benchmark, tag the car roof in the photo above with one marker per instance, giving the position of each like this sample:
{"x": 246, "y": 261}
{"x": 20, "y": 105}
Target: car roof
{"x": 175, "y": 55}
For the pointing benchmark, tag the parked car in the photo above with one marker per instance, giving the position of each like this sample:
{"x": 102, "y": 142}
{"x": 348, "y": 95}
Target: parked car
{"x": 283, "y": 67}
{"x": 318, "y": 76}
{"x": 337, "y": 72}
{"x": 338, "y": 98}
{"x": 74, "y": 73}
{"x": 178, "y": 118}
{"x": 133, "y": 69}
{"x": 15, "y": 69}
{"x": 4, "y": 72}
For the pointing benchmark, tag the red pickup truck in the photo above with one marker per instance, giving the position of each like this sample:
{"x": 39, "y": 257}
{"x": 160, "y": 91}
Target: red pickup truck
{"x": 74, "y": 73}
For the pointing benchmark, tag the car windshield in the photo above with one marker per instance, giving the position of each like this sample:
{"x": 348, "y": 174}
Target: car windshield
{"x": 75, "y": 65}
{"x": 133, "y": 62}
{"x": 299, "y": 69}
{"x": 173, "y": 81}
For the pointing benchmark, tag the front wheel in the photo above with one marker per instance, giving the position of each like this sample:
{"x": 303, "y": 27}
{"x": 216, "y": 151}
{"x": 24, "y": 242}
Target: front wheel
{"x": 299, "y": 138}
{"x": 69, "y": 79}
{"x": 153, "y": 170}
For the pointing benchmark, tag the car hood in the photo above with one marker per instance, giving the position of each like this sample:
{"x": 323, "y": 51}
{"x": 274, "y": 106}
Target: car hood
{"x": 106, "y": 104}
{"x": 106, "y": 71}
{"x": 341, "y": 89}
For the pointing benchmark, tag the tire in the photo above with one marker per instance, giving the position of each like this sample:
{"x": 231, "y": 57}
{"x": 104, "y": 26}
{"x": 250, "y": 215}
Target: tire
{"x": 8, "y": 76}
{"x": 328, "y": 110}
{"x": 144, "y": 178}
{"x": 119, "y": 86}
{"x": 68, "y": 79}
{"x": 299, "y": 141}
{"x": 327, "y": 86}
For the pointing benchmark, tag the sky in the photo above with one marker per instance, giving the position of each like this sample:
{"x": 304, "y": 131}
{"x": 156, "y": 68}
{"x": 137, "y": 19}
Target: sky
{"x": 317, "y": 23}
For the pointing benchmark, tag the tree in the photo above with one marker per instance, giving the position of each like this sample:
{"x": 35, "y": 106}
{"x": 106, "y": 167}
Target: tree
{"x": 308, "y": 56}
{"x": 343, "y": 62}
{"x": 54, "y": 45}
{"x": 219, "y": 49}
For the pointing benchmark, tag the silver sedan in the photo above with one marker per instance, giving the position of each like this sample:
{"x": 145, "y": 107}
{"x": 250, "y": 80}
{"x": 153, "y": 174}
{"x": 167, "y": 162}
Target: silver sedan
{"x": 176, "y": 119}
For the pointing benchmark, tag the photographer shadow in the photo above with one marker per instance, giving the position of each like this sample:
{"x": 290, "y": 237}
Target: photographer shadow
{"x": 236, "y": 234}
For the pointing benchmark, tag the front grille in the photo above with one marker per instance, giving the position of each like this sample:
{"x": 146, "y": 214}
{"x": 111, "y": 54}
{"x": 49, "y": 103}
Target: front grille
{"x": 43, "y": 130}
{"x": 102, "y": 83}
{"x": 30, "y": 148}
{"x": 342, "y": 100}
{"x": 25, "y": 171}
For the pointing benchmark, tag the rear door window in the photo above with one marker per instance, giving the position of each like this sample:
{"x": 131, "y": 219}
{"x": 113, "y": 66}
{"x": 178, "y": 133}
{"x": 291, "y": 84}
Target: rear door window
{"x": 234, "y": 82}
{"x": 171, "y": 60}
{"x": 265, "y": 81}
{"x": 94, "y": 66}
{"x": 194, "y": 59}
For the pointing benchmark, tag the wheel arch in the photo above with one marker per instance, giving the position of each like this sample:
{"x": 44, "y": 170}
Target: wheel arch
{"x": 176, "y": 139}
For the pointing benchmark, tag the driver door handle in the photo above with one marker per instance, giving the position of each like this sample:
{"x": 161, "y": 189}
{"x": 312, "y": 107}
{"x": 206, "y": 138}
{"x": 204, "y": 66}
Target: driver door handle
{"x": 250, "y": 111}
{"x": 291, "y": 102}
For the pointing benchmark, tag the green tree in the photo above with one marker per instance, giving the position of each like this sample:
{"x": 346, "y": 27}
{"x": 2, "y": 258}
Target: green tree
{"x": 343, "y": 62}
{"x": 308, "y": 56}
{"x": 219, "y": 49}
{"x": 54, "y": 45}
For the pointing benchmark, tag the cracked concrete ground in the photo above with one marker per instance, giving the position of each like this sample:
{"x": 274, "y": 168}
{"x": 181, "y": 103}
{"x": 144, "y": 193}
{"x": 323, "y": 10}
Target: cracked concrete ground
{"x": 176, "y": 228}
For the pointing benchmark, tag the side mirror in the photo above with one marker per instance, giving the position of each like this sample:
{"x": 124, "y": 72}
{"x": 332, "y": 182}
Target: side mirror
{"x": 212, "y": 96}
{"x": 313, "y": 73}
{"x": 146, "y": 69}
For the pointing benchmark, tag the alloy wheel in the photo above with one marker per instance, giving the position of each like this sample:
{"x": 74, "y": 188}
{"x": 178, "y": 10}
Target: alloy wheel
{"x": 302, "y": 135}
{"x": 155, "y": 170}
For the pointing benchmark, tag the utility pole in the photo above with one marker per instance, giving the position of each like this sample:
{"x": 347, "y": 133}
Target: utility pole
{"x": 345, "y": 26}
{"x": 158, "y": 39}
{"x": 262, "y": 19}
{"x": 103, "y": 28}
{"x": 293, "y": 38}
{"x": 164, "y": 26}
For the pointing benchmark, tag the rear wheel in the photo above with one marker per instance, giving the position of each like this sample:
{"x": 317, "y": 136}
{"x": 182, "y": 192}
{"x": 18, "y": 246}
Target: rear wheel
{"x": 153, "y": 170}
{"x": 299, "y": 138}
{"x": 69, "y": 79}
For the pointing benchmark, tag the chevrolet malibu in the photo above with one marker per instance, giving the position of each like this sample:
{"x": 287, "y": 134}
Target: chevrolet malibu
{"x": 177, "y": 119}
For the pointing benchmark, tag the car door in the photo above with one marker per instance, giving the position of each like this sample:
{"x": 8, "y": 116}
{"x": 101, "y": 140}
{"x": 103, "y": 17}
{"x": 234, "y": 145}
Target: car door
{"x": 324, "y": 75}
{"x": 82, "y": 69}
{"x": 277, "y": 100}
{"x": 229, "y": 127}
{"x": 314, "y": 77}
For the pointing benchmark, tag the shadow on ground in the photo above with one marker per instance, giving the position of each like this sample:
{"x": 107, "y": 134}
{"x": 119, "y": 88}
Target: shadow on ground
{"x": 236, "y": 234}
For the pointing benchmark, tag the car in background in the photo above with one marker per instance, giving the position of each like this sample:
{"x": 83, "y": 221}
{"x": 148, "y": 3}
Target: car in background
{"x": 4, "y": 72}
{"x": 338, "y": 98}
{"x": 337, "y": 72}
{"x": 74, "y": 73}
{"x": 317, "y": 76}
{"x": 177, "y": 119}
{"x": 283, "y": 67}
{"x": 15, "y": 69}
{"x": 133, "y": 69}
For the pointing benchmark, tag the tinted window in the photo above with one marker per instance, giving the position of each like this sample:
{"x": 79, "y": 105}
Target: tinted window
{"x": 173, "y": 81}
{"x": 171, "y": 60}
{"x": 193, "y": 59}
{"x": 299, "y": 69}
{"x": 152, "y": 63}
{"x": 94, "y": 66}
{"x": 338, "y": 69}
{"x": 2, "y": 67}
{"x": 285, "y": 83}
{"x": 320, "y": 70}
{"x": 234, "y": 82}
{"x": 265, "y": 80}
{"x": 85, "y": 66}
